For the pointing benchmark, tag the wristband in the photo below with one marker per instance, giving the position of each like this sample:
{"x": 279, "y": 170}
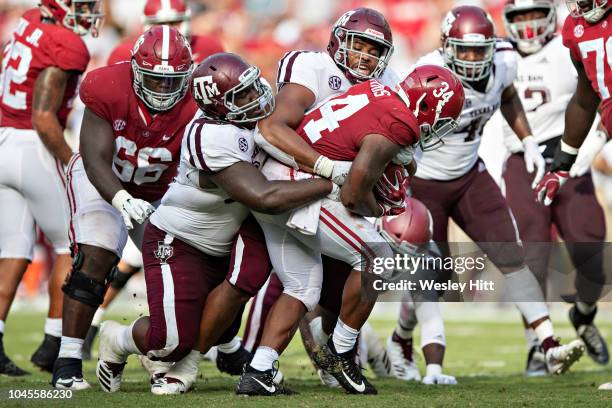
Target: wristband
{"x": 120, "y": 198}
{"x": 564, "y": 160}
{"x": 565, "y": 148}
{"x": 324, "y": 167}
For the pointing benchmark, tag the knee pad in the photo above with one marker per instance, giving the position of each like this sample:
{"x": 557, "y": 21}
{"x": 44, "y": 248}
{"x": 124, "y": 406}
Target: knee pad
{"x": 81, "y": 287}
{"x": 119, "y": 279}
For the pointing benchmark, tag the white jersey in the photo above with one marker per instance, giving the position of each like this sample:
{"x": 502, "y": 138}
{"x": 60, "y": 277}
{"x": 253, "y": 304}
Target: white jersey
{"x": 545, "y": 82}
{"x": 204, "y": 216}
{"x": 318, "y": 72}
{"x": 459, "y": 153}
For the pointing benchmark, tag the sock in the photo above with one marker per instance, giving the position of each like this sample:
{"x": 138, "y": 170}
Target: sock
{"x": 544, "y": 330}
{"x": 231, "y": 347}
{"x": 433, "y": 370}
{"x": 586, "y": 308}
{"x": 432, "y": 325}
{"x": 71, "y": 347}
{"x": 1, "y": 326}
{"x": 531, "y": 339}
{"x": 97, "y": 319}
{"x": 53, "y": 327}
{"x": 407, "y": 321}
{"x": 525, "y": 292}
{"x": 126, "y": 340}
{"x": 316, "y": 329}
{"x": 264, "y": 358}
{"x": 344, "y": 337}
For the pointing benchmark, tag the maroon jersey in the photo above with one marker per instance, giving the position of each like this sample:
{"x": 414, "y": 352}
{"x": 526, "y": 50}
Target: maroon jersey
{"x": 592, "y": 45}
{"x": 35, "y": 46}
{"x": 147, "y": 148}
{"x": 336, "y": 128}
{"x": 201, "y": 47}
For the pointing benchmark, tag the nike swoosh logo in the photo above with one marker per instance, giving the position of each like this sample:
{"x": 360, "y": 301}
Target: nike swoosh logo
{"x": 271, "y": 389}
{"x": 358, "y": 388}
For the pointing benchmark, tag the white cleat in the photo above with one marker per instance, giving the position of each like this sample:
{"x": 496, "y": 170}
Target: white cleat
{"x": 73, "y": 383}
{"x": 377, "y": 357}
{"x": 327, "y": 379}
{"x": 180, "y": 378}
{"x": 559, "y": 359}
{"x": 156, "y": 369}
{"x": 111, "y": 362}
{"x": 403, "y": 366}
{"x": 606, "y": 387}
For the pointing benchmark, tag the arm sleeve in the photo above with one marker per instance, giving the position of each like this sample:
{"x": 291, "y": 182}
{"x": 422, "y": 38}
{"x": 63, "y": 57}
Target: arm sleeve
{"x": 299, "y": 67}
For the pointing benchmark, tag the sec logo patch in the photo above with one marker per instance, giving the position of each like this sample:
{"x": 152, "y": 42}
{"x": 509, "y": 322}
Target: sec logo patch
{"x": 334, "y": 82}
{"x": 119, "y": 125}
{"x": 243, "y": 144}
{"x": 578, "y": 31}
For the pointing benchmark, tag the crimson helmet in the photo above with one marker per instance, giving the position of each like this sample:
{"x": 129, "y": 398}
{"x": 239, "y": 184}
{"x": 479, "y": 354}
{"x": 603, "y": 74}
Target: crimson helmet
{"x": 465, "y": 29}
{"x": 223, "y": 78}
{"x": 530, "y": 35}
{"x": 161, "y": 63}
{"x": 158, "y": 12}
{"x": 81, "y": 16}
{"x": 408, "y": 232}
{"x": 435, "y": 95}
{"x": 366, "y": 24}
{"x": 591, "y": 10}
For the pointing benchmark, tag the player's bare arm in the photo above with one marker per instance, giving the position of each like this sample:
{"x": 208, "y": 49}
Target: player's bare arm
{"x": 97, "y": 147}
{"x": 375, "y": 153}
{"x": 513, "y": 112}
{"x": 278, "y": 129}
{"x": 47, "y": 100}
{"x": 581, "y": 109}
{"x": 244, "y": 183}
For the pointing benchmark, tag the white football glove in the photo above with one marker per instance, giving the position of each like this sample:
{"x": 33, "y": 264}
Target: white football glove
{"x": 591, "y": 146}
{"x": 132, "y": 208}
{"x": 336, "y": 171}
{"x": 534, "y": 159}
{"x": 434, "y": 376}
{"x": 335, "y": 193}
{"x": 340, "y": 171}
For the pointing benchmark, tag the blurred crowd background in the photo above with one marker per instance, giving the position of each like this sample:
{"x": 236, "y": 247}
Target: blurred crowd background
{"x": 263, "y": 30}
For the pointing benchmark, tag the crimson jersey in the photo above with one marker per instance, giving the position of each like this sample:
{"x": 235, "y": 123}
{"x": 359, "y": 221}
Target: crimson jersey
{"x": 202, "y": 46}
{"x": 147, "y": 149}
{"x": 33, "y": 47}
{"x": 336, "y": 128}
{"x": 592, "y": 45}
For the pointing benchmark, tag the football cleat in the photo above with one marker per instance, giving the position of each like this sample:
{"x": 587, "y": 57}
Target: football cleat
{"x": 254, "y": 382}
{"x": 45, "y": 355}
{"x": 605, "y": 387}
{"x": 594, "y": 342}
{"x": 68, "y": 374}
{"x": 112, "y": 360}
{"x": 168, "y": 386}
{"x": 156, "y": 369}
{"x": 327, "y": 379}
{"x": 88, "y": 342}
{"x": 344, "y": 368}
{"x": 375, "y": 352}
{"x": 180, "y": 378}
{"x": 536, "y": 363}
{"x": 561, "y": 357}
{"x": 233, "y": 363}
{"x": 7, "y": 367}
{"x": 400, "y": 353}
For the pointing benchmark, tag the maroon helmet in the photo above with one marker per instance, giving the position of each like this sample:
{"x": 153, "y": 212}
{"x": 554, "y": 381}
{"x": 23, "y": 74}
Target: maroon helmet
{"x": 366, "y": 24}
{"x": 435, "y": 95}
{"x": 161, "y": 63}
{"x": 158, "y": 12}
{"x": 221, "y": 79}
{"x": 591, "y": 10}
{"x": 410, "y": 231}
{"x": 530, "y": 35}
{"x": 81, "y": 16}
{"x": 468, "y": 29}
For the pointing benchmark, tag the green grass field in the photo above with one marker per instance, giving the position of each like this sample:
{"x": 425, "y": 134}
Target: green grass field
{"x": 487, "y": 359}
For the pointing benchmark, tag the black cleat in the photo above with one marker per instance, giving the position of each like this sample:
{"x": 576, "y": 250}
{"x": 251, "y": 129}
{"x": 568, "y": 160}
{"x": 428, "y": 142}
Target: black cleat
{"x": 595, "y": 344}
{"x": 254, "y": 382}
{"x": 88, "y": 342}
{"x": 7, "y": 367}
{"x": 46, "y": 354}
{"x": 233, "y": 363}
{"x": 536, "y": 363}
{"x": 342, "y": 367}
{"x": 68, "y": 374}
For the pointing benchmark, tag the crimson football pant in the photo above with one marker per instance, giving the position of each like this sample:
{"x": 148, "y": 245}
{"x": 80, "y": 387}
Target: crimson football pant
{"x": 576, "y": 214}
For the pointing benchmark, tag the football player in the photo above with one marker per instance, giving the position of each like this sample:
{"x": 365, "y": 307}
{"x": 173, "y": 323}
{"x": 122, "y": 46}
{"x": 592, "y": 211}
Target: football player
{"x": 175, "y": 13}
{"x": 188, "y": 241}
{"x": 545, "y": 82}
{"x": 372, "y": 126}
{"x": 135, "y": 114}
{"x": 41, "y": 67}
{"x": 453, "y": 182}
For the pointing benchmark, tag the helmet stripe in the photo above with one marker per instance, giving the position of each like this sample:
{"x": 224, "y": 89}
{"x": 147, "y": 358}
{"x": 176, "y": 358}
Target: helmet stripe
{"x": 165, "y": 45}
{"x": 165, "y": 6}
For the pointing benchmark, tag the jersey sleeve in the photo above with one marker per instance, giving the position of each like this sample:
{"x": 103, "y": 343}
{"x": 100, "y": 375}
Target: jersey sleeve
{"x": 508, "y": 57}
{"x": 299, "y": 67}
{"x": 217, "y": 147}
{"x": 89, "y": 92}
{"x": 123, "y": 52}
{"x": 68, "y": 52}
{"x": 389, "y": 78}
{"x": 399, "y": 125}
{"x": 568, "y": 37}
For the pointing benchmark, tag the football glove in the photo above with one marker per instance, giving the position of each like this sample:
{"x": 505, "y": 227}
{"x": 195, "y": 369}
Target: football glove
{"x": 132, "y": 208}
{"x": 533, "y": 159}
{"x": 565, "y": 156}
{"x": 393, "y": 192}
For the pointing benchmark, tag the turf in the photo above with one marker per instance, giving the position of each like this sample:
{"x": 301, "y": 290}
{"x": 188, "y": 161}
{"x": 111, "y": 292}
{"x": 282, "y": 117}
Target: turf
{"x": 487, "y": 359}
